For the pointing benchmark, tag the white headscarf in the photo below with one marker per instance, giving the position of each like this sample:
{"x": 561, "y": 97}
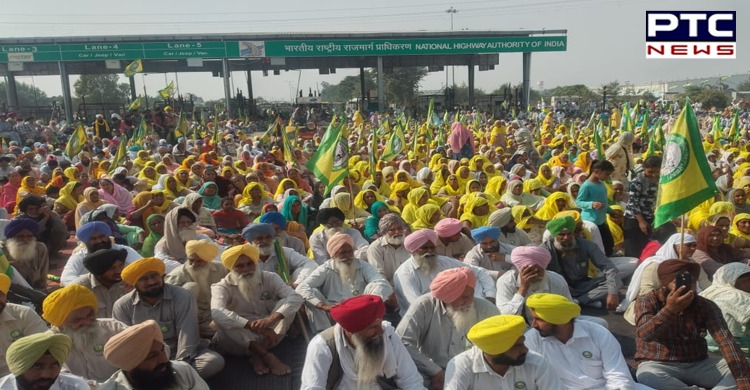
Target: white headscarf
{"x": 733, "y": 302}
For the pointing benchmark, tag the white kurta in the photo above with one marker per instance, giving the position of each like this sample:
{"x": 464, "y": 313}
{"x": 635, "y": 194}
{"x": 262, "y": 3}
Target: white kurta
{"x": 105, "y": 297}
{"x": 509, "y": 301}
{"x": 455, "y": 249}
{"x": 591, "y": 360}
{"x": 17, "y": 321}
{"x": 495, "y": 268}
{"x": 385, "y": 258}
{"x": 397, "y": 363}
{"x": 74, "y": 266}
{"x": 299, "y": 266}
{"x": 318, "y": 241}
{"x": 469, "y": 370}
{"x": 90, "y": 363}
{"x": 63, "y": 382}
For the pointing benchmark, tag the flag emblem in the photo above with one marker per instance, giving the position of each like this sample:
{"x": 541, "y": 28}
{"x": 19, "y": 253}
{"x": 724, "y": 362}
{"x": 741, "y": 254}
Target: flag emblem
{"x": 341, "y": 159}
{"x": 676, "y": 157}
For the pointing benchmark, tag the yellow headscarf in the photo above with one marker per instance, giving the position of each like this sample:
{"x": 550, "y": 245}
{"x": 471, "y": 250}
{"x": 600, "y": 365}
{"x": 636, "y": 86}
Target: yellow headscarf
{"x": 423, "y": 217}
{"x": 521, "y": 216}
{"x": 410, "y": 209}
{"x": 549, "y": 210}
{"x": 66, "y": 198}
{"x": 150, "y": 182}
{"x": 531, "y": 185}
{"x": 545, "y": 182}
{"x": 495, "y": 188}
{"x": 469, "y": 216}
{"x": 450, "y": 191}
{"x": 617, "y": 234}
{"x": 735, "y": 230}
{"x": 142, "y": 159}
{"x": 70, "y": 173}
{"x": 247, "y": 199}
{"x": 280, "y": 189}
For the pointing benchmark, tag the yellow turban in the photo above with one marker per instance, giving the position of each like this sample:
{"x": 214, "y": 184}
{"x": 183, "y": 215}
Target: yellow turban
{"x": 4, "y": 283}
{"x": 230, "y": 256}
{"x": 569, "y": 213}
{"x": 205, "y": 249}
{"x": 57, "y": 306}
{"x": 138, "y": 268}
{"x": 23, "y": 353}
{"x": 497, "y": 334}
{"x": 553, "y": 308}
{"x": 127, "y": 349}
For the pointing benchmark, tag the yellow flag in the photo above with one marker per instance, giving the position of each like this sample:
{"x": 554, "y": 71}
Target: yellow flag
{"x": 330, "y": 164}
{"x": 133, "y": 68}
{"x": 167, "y": 91}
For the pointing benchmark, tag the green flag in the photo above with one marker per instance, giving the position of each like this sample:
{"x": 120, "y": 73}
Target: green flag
{"x": 76, "y": 142}
{"x": 396, "y": 143}
{"x": 122, "y": 151}
{"x": 330, "y": 164}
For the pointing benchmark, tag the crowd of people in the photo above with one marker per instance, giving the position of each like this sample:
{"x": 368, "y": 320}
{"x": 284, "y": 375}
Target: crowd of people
{"x": 462, "y": 264}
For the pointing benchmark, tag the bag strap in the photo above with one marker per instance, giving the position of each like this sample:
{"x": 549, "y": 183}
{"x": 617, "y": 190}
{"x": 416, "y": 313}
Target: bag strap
{"x": 335, "y": 372}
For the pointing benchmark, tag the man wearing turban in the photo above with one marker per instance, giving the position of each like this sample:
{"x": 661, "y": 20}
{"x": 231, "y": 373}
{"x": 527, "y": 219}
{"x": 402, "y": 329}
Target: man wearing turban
{"x": 341, "y": 277}
{"x": 94, "y": 235}
{"x": 104, "y": 279}
{"x": 253, "y": 310}
{"x": 29, "y": 257}
{"x": 332, "y": 220}
{"x": 435, "y": 326}
{"x": 387, "y": 252}
{"x": 35, "y": 362}
{"x": 263, "y": 237}
{"x": 16, "y": 321}
{"x": 71, "y": 311}
{"x": 412, "y": 279}
{"x": 360, "y": 352}
{"x": 489, "y": 253}
{"x": 139, "y": 354}
{"x": 571, "y": 256}
{"x": 499, "y": 359}
{"x": 452, "y": 241}
{"x": 676, "y": 319}
{"x": 503, "y": 219}
{"x": 172, "y": 307}
{"x": 279, "y": 224}
{"x": 180, "y": 226}
{"x": 558, "y": 335}
{"x": 197, "y": 275}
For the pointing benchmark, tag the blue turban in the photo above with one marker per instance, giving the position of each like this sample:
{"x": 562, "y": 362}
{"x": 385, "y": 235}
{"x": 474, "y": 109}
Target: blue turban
{"x": 17, "y": 225}
{"x": 85, "y": 232}
{"x": 255, "y": 230}
{"x": 274, "y": 218}
{"x": 483, "y": 232}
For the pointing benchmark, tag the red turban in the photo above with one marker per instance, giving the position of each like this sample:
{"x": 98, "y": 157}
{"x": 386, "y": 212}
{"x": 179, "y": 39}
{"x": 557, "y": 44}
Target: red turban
{"x": 448, "y": 285}
{"x": 357, "y": 313}
{"x": 415, "y": 240}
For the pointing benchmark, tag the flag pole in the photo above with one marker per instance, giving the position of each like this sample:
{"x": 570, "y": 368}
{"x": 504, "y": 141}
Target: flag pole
{"x": 682, "y": 236}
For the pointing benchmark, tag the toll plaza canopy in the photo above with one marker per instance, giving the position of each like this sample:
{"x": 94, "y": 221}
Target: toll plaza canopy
{"x": 224, "y": 53}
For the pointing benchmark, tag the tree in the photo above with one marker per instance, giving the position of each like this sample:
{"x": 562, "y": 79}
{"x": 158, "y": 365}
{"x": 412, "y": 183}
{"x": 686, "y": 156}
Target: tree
{"x": 28, "y": 96}
{"x": 102, "y": 88}
{"x": 708, "y": 96}
{"x": 402, "y": 85}
{"x": 347, "y": 89}
{"x": 613, "y": 89}
{"x": 579, "y": 90}
{"x": 744, "y": 86}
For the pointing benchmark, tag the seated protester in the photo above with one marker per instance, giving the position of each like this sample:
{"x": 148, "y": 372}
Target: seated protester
{"x": 228, "y": 219}
{"x": 489, "y": 253}
{"x": 435, "y": 325}
{"x": 342, "y": 277}
{"x": 509, "y": 234}
{"x": 571, "y": 257}
{"x": 205, "y": 219}
{"x": 658, "y": 237}
{"x": 27, "y": 256}
{"x": 65, "y": 205}
{"x": 15, "y": 321}
{"x": 585, "y": 355}
{"x": 35, "y": 361}
{"x": 730, "y": 291}
{"x": 155, "y": 229}
{"x": 94, "y": 236}
{"x": 197, "y": 275}
{"x": 71, "y": 311}
{"x": 179, "y": 228}
{"x": 279, "y": 224}
{"x": 412, "y": 279}
{"x": 645, "y": 278}
{"x": 387, "y": 252}
{"x": 52, "y": 230}
{"x": 99, "y": 214}
{"x": 711, "y": 252}
{"x": 103, "y": 278}
{"x": 332, "y": 221}
{"x": 452, "y": 242}
{"x": 253, "y": 310}
{"x": 671, "y": 348}
{"x": 139, "y": 354}
{"x": 359, "y": 351}
{"x": 499, "y": 359}
{"x": 296, "y": 266}
{"x": 177, "y": 314}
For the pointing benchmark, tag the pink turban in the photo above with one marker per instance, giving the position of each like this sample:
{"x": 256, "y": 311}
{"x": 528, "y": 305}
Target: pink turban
{"x": 524, "y": 256}
{"x": 448, "y": 227}
{"x": 415, "y": 240}
{"x": 337, "y": 241}
{"x": 448, "y": 285}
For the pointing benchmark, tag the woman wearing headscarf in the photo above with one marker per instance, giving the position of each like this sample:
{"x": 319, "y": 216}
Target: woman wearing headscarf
{"x": 285, "y": 185}
{"x": 452, "y": 187}
{"x": 730, "y": 291}
{"x": 296, "y": 214}
{"x": 399, "y": 195}
{"x": 476, "y": 213}
{"x": 141, "y": 160}
{"x": 254, "y": 197}
{"x": 553, "y": 204}
{"x": 66, "y": 204}
{"x": 712, "y": 252}
{"x": 548, "y": 181}
{"x": 354, "y": 216}
{"x": 209, "y": 191}
{"x": 182, "y": 176}
{"x": 171, "y": 247}
{"x": 427, "y": 216}
{"x": 496, "y": 187}
{"x": 738, "y": 198}
{"x": 147, "y": 203}
{"x": 515, "y": 196}
{"x": 371, "y": 230}
{"x": 91, "y": 201}
{"x": 366, "y": 198}
{"x": 149, "y": 174}
{"x": 441, "y": 179}
{"x": 620, "y": 154}
{"x": 197, "y": 204}
{"x": 113, "y": 193}
{"x": 155, "y": 227}
{"x": 741, "y": 226}
{"x": 168, "y": 161}
{"x": 28, "y": 187}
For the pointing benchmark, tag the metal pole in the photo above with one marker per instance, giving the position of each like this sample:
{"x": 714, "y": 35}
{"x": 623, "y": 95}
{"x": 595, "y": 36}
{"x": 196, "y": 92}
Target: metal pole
{"x": 227, "y": 91}
{"x": 133, "y": 96}
{"x": 250, "y": 98}
{"x": 451, "y": 11}
{"x": 526, "y": 78}
{"x": 381, "y": 90}
{"x": 471, "y": 84}
{"x": 362, "y": 92}
{"x": 12, "y": 92}
{"x": 67, "y": 99}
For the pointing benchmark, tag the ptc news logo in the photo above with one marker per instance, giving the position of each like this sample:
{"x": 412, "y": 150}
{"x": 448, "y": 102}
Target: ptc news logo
{"x": 691, "y": 34}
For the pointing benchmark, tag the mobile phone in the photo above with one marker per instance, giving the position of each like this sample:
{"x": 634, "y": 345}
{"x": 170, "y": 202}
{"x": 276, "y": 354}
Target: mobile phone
{"x": 684, "y": 279}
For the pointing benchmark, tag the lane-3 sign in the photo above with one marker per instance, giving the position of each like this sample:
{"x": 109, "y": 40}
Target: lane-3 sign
{"x": 305, "y": 48}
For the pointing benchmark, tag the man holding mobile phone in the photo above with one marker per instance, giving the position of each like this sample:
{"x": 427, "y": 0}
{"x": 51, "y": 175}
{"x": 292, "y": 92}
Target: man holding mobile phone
{"x": 671, "y": 348}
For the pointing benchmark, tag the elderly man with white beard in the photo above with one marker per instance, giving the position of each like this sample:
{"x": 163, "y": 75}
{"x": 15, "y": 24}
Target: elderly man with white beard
{"x": 278, "y": 222}
{"x": 489, "y": 253}
{"x": 104, "y": 278}
{"x": 71, "y": 310}
{"x": 332, "y": 220}
{"x": 197, "y": 276}
{"x": 435, "y": 326}
{"x": 179, "y": 228}
{"x": 261, "y": 236}
{"x": 412, "y": 279}
{"x": 253, "y": 310}
{"x": 342, "y": 277}
{"x": 29, "y": 257}
{"x": 387, "y": 253}
{"x": 360, "y": 352}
